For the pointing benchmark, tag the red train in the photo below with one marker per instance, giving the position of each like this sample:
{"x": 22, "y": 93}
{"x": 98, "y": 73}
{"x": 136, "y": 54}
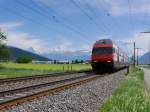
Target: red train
{"x": 107, "y": 56}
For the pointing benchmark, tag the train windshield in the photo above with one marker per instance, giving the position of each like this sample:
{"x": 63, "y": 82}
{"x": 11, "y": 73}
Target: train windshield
{"x": 102, "y": 51}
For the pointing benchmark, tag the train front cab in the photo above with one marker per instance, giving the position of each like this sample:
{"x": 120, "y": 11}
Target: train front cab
{"x": 102, "y": 59}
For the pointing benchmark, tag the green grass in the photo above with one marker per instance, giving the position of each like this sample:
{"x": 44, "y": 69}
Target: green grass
{"x": 53, "y": 67}
{"x": 10, "y": 70}
{"x": 11, "y": 73}
{"x": 130, "y": 96}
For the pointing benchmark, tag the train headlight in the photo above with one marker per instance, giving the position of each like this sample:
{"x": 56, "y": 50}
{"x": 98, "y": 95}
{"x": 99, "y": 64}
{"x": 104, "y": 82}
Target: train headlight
{"x": 94, "y": 61}
{"x": 108, "y": 61}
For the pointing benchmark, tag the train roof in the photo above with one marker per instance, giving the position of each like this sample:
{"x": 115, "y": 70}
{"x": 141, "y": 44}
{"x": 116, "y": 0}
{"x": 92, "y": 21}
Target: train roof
{"x": 104, "y": 41}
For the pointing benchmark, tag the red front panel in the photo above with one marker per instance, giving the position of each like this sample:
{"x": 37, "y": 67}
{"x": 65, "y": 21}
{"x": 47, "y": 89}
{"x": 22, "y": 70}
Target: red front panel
{"x": 102, "y": 57}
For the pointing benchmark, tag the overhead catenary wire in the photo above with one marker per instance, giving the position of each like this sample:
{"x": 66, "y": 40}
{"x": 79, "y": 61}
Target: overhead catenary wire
{"x": 97, "y": 17}
{"x": 146, "y": 11}
{"x": 130, "y": 15}
{"x": 26, "y": 18}
{"x": 52, "y": 17}
{"x": 87, "y": 15}
{"x": 109, "y": 15}
{"x": 48, "y": 9}
{"x": 55, "y": 15}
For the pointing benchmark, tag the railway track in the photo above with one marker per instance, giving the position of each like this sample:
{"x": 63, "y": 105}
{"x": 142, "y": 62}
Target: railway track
{"x": 14, "y": 97}
{"x": 28, "y": 81}
{"x": 54, "y": 74}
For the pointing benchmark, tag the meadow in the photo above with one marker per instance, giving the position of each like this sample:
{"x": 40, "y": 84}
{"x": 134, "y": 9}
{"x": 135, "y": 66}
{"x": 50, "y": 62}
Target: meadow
{"x": 130, "y": 96}
{"x": 9, "y": 70}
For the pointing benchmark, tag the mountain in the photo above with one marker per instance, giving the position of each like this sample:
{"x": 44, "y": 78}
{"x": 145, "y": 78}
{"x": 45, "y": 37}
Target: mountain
{"x": 80, "y": 55}
{"x": 16, "y": 52}
{"x": 31, "y": 50}
{"x": 145, "y": 59}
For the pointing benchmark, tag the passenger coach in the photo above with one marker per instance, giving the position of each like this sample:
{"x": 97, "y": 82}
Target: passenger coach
{"x": 107, "y": 56}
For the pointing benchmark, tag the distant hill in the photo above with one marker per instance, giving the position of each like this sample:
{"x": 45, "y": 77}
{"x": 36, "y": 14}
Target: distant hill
{"x": 80, "y": 55}
{"x": 145, "y": 59}
{"x": 16, "y": 52}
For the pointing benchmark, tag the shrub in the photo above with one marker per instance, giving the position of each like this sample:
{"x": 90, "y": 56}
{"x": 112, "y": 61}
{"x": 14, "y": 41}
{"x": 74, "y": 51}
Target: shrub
{"x": 24, "y": 59}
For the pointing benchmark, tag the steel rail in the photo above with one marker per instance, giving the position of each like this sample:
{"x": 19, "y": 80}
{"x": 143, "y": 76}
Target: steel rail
{"x": 40, "y": 76}
{"x": 28, "y": 88}
{"x": 14, "y": 102}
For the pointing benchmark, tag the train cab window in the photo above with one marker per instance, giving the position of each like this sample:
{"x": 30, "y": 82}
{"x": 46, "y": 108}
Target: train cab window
{"x": 114, "y": 50}
{"x": 102, "y": 50}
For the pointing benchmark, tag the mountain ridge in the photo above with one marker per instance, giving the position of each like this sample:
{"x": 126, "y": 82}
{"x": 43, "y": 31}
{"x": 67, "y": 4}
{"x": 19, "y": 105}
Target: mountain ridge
{"x": 17, "y": 52}
{"x": 145, "y": 58}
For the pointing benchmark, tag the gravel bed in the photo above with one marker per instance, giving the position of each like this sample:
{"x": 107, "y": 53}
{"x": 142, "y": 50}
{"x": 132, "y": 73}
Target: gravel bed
{"x": 85, "y": 98}
{"x": 15, "y": 95}
{"x": 25, "y": 83}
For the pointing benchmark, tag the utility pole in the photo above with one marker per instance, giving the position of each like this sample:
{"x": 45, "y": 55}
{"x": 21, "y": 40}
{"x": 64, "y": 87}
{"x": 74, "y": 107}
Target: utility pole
{"x": 134, "y": 55}
{"x": 138, "y": 55}
{"x": 149, "y": 53}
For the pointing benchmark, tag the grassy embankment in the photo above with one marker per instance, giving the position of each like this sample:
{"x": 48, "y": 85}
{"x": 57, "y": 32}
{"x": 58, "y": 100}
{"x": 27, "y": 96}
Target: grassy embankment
{"x": 130, "y": 96}
{"x": 14, "y": 70}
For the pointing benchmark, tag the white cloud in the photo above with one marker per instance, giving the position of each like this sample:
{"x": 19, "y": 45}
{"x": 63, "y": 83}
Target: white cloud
{"x": 119, "y": 7}
{"x": 142, "y": 41}
{"x": 10, "y": 25}
{"x": 21, "y": 39}
{"x": 27, "y": 41}
{"x": 87, "y": 47}
{"x": 63, "y": 46}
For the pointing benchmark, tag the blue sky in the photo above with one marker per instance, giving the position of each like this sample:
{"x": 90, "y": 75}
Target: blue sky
{"x": 47, "y": 26}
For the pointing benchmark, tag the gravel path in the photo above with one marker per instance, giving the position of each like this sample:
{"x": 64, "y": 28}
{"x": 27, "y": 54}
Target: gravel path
{"x": 20, "y": 84}
{"x": 147, "y": 78}
{"x": 85, "y": 98}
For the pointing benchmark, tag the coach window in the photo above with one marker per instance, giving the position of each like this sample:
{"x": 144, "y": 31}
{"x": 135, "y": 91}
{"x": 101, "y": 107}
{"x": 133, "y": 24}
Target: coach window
{"x": 118, "y": 55}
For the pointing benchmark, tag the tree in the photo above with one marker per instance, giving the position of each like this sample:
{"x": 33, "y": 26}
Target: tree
{"x": 82, "y": 61}
{"x": 76, "y": 61}
{"x": 4, "y": 51}
{"x": 72, "y": 61}
{"x": 2, "y": 36}
{"x": 55, "y": 61}
{"x": 24, "y": 59}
